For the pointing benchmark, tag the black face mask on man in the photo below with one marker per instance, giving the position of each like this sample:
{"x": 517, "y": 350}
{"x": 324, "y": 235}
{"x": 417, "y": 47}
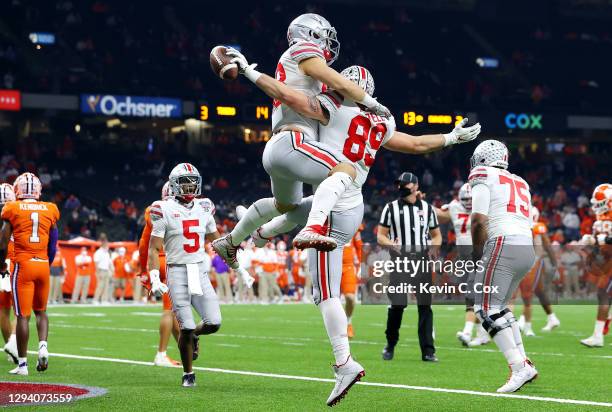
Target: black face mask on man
{"x": 406, "y": 191}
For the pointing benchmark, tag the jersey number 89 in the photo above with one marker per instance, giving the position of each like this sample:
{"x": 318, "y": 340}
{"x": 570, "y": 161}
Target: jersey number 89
{"x": 361, "y": 131}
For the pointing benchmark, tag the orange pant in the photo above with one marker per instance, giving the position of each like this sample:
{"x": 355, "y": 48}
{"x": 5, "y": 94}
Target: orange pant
{"x": 348, "y": 284}
{"x": 5, "y": 300}
{"x": 533, "y": 281}
{"x": 30, "y": 283}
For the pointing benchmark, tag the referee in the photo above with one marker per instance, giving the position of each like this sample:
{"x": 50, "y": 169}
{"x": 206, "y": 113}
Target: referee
{"x": 410, "y": 222}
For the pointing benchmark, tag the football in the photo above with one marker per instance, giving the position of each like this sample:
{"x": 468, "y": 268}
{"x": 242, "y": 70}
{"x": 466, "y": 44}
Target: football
{"x": 220, "y": 64}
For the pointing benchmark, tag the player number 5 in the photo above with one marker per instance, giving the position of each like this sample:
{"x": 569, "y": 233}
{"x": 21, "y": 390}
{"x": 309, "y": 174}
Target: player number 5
{"x": 194, "y": 237}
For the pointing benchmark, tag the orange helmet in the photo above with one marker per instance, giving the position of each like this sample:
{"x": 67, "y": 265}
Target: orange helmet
{"x": 7, "y": 194}
{"x": 601, "y": 202}
{"x": 27, "y": 186}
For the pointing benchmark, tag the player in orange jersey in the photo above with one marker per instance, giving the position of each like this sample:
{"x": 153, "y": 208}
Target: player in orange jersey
{"x": 351, "y": 261}
{"x": 8, "y": 329}
{"x": 533, "y": 283}
{"x": 167, "y": 323}
{"x": 601, "y": 265}
{"x": 282, "y": 278}
{"x": 33, "y": 226}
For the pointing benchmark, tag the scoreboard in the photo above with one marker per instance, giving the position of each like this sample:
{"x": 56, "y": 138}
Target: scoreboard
{"x": 257, "y": 113}
{"x": 413, "y": 118}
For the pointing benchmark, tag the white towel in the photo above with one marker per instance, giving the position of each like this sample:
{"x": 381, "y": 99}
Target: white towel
{"x": 193, "y": 279}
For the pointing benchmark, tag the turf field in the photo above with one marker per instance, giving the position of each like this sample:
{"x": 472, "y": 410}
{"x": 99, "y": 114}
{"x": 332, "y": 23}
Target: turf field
{"x": 278, "y": 358}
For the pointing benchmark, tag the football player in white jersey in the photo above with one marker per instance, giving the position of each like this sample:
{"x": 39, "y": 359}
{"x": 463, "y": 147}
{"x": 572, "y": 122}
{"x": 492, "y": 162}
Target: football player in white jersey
{"x": 293, "y": 157}
{"x": 180, "y": 226}
{"x": 502, "y": 238}
{"x": 457, "y": 212}
{"x": 345, "y": 129}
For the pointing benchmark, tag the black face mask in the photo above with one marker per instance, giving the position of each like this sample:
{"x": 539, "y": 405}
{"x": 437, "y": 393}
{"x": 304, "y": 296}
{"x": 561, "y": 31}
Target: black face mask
{"x": 405, "y": 191}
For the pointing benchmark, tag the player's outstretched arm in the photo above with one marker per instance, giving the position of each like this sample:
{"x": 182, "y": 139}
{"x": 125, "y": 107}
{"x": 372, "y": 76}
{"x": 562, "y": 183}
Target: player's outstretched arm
{"x": 300, "y": 102}
{"x": 5, "y": 237}
{"x": 317, "y": 68}
{"x": 405, "y": 143}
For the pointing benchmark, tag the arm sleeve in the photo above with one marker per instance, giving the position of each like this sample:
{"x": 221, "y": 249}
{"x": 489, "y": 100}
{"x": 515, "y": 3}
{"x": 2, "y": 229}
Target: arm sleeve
{"x": 385, "y": 217}
{"x": 52, "y": 245}
{"x": 433, "y": 218}
{"x": 481, "y": 197}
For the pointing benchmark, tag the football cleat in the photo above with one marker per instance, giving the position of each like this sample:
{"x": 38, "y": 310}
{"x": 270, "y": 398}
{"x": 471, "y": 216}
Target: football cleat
{"x": 189, "y": 380}
{"x": 43, "y": 359}
{"x": 387, "y": 353}
{"x": 224, "y": 248}
{"x": 350, "y": 332}
{"x": 314, "y": 237}
{"x": 528, "y": 331}
{"x": 551, "y": 324}
{"x": 593, "y": 342}
{"x": 521, "y": 322}
{"x": 464, "y": 338}
{"x": 519, "y": 378}
{"x": 165, "y": 360}
{"x": 196, "y": 347}
{"x": 11, "y": 349}
{"x": 21, "y": 369}
{"x": 258, "y": 239}
{"x": 346, "y": 376}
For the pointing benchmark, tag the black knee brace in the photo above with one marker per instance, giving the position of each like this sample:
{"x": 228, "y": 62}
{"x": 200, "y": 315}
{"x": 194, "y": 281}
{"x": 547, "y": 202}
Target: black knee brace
{"x": 491, "y": 324}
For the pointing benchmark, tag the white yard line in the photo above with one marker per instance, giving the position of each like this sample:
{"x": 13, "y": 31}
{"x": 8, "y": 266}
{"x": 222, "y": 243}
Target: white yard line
{"x": 354, "y": 342}
{"x": 375, "y": 384}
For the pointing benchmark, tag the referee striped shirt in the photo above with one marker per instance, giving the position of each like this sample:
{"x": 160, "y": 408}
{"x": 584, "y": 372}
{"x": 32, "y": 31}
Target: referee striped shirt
{"x": 409, "y": 223}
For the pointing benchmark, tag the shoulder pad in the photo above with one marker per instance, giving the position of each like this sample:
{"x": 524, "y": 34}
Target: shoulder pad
{"x": 156, "y": 211}
{"x": 478, "y": 175}
{"x": 304, "y": 50}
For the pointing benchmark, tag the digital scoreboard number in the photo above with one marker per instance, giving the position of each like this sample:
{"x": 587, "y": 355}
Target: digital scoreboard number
{"x": 414, "y": 118}
{"x": 247, "y": 112}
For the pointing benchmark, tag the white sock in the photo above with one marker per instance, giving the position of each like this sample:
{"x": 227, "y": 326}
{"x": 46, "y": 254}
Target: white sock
{"x": 552, "y": 318}
{"x": 42, "y": 343}
{"x": 482, "y": 333}
{"x": 326, "y": 196}
{"x": 161, "y": 354}
{"x": 468, "y": 328}
{"x": 23, "y": 361}
{"x": 335, "y": 322}
{"x": 504, "y": 339}
{"x": 260, "y": 212}
{"x": 12, "y": 339}
{"x": 516, "y": 333}
{"x": 349, "y": 320}
{"x": 287, "y": 222}
{"x": 527, "y": 326}
{"x": 522, "y": 319}
{"x": 599, "y": 327}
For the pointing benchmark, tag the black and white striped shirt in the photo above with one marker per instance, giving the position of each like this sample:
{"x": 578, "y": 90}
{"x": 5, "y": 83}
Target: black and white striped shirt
{"x": 409, "y": 223}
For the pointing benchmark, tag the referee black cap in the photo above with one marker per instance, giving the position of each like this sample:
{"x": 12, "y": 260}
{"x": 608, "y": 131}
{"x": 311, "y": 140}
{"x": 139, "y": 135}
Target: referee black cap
{"x": 406, "y": 178}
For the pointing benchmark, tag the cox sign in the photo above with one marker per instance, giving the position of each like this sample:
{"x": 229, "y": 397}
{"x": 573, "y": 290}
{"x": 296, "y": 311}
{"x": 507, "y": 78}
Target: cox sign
{"x": 134, "y": 106}
{"x": 523, "y": 121}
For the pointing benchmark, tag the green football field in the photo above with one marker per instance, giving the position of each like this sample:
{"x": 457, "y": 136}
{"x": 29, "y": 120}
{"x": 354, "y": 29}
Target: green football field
{"x": 278, "y": 358}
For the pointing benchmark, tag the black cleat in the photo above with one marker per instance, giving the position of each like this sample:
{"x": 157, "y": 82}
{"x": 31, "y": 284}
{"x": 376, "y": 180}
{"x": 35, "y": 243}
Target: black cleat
{"x": 189, "y": 380}
{"x": 429, "y": 358}
{"x": 387, "y": 353}
{"x": 196, "y": 347}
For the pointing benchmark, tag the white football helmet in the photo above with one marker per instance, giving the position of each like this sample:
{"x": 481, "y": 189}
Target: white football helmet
{"x": 7, "y": 194}
{"x": 490, "y": 153}
{"x": 165, "y": 192}
{"x": 185, "y": 182}
{"x": 601, "y": 201}
{"x": 360, "y": 76}
{"x": 465, "y": 196}
{"x": 27, "y": 186}
{"x": 315, "y": 29}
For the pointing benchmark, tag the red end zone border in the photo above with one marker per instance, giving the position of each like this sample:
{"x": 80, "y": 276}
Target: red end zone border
{"x": 31, "y": 393}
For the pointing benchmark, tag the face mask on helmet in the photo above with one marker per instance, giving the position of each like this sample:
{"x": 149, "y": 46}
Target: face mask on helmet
{"x": 602, "y": 197}
{"x": 188, "y": 187}
{"x": 185, "y": 182}
{"x": 315, "y": 29}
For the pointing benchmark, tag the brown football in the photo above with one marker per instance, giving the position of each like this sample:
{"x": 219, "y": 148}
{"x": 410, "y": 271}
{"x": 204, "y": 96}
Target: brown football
{"x": 220, "y": 64}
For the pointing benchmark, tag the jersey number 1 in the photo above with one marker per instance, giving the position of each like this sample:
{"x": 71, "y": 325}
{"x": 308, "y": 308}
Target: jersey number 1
{"x": 194, "y": 237}
{"x": 34, "y": 238}
{"x": 359, "y": 131}
{"x": 516, "y": 188}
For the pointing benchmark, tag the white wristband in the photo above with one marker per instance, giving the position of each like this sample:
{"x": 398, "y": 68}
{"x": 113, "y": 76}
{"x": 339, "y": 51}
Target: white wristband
{"x": 368, "y": 101}
{"x": 252, "y": 74}
{"x": 154, "y": 275}
{"x": 450, "y": 138}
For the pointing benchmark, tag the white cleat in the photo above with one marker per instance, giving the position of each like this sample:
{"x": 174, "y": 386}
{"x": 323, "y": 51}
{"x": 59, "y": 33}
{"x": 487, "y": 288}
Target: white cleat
{"x": 551, "y": 324}
{"x": 310, "y": 237}
{"x": 464, "y": 338}
{"x": 521, "y": 322}
{"x": 528, "y": 332}
{"x": 593, "y": 342}
{"x": 161, "y": 360}
{"x": 519, "y": 378}
{"x": 224, "y": 248}
{"x": 43, "y": 359}
{"x": 478, "y": 341}
{"x": 346, "y": 376}
{"x": 20, "y": 370}
{"x": 11, "y": 349}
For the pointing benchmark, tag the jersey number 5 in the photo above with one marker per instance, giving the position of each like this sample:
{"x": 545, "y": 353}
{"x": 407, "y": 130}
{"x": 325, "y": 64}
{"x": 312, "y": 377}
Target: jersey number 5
{"x": 359, "y": 132}
{"x": 517, "y": 187}
{"x": 194, "y": 237}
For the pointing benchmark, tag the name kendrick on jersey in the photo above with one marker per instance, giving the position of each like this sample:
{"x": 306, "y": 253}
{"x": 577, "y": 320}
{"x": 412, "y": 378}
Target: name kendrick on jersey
{"x": 33, "y": 206}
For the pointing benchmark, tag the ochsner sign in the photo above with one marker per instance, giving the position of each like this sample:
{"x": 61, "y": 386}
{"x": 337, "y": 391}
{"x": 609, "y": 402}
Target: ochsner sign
{"x": 130, "y": 106}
